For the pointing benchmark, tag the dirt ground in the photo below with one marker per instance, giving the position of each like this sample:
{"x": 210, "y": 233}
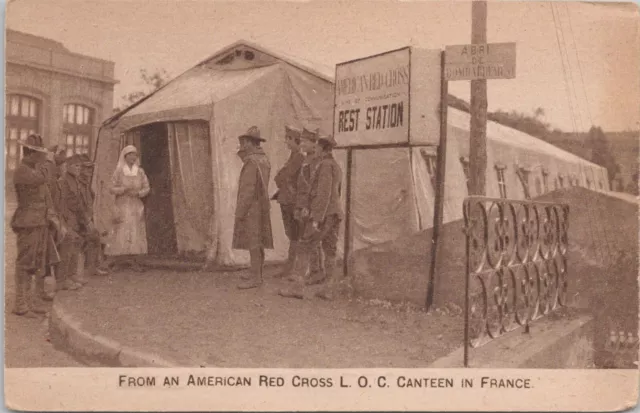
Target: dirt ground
{"x": 202, "y": 319}
{"x": 25, "y": 340}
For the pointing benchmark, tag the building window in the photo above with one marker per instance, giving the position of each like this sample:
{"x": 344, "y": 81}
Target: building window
{"x": 22, "y": 119}
{"x": 561, "y": 180}
{"x": 77, "y": 128}
{"x": 502, "y": 185}
{"x": 430, "y": 158}
{"x": 588, "y": 183}
{"x": 465, "y": 168}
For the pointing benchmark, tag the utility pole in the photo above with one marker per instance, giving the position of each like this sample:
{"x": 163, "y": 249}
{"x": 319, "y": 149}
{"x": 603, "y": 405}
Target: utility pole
{"x": 478, "y": 126}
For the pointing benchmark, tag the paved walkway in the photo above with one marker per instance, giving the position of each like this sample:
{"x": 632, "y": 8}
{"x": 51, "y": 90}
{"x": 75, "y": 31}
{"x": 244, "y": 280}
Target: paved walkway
{"x": 201, "y": 319}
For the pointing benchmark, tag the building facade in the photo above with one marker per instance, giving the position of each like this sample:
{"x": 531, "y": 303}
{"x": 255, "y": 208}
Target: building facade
{"x": 61, "y": 95}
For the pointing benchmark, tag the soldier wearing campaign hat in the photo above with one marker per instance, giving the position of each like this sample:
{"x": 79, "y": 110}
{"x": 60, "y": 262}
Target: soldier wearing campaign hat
{"x": 36, "y": 225}
{"x": 287, "y": 181}
{"x": 252, "y": 226}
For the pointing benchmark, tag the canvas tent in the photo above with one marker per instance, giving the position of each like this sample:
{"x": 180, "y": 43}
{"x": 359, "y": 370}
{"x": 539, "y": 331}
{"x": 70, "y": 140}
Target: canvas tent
{"x": 393, "y": 188}
{"x": 186, "y": 133}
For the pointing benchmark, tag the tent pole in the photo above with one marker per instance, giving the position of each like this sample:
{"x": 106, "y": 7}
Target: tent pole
{"x": 441, "y": 163}
{"x": 347, "y": 217}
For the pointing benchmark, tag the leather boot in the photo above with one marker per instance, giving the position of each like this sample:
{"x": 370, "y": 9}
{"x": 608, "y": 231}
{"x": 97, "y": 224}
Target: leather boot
{"x": 37, "y": 305}
{"x": 255, "y": 276}
{"x": 68, "y": 267}
{"x": 317, "y": 274}
{"x": 300, "y": 264}
{"x": 23, "y": 283}
{"x": 41, "y": 293}
{"x": 328, "y": 292}
{"x": 291, "y": 261}
{"x": 67, "y": 285}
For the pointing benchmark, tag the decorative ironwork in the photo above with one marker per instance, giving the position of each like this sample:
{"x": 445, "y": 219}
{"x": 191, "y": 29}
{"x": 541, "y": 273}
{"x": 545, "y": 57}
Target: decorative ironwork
{"x": 516, "y": 265}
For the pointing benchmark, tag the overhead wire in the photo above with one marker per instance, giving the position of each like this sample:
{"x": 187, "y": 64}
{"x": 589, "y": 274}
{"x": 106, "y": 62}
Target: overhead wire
{"x": 593, "y": 234}
{"x": 599, "y": 202}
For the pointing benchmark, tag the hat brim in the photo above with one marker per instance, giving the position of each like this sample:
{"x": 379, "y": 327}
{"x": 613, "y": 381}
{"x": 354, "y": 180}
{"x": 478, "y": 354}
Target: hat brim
{"x": 254, "y": 138}
{"x": 35, "y": 148}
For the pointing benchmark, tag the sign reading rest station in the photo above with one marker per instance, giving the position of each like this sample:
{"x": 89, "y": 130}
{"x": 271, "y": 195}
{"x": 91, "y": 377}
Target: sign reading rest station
{"x": 390, "y": 98}
{"x": 480, "y": 61}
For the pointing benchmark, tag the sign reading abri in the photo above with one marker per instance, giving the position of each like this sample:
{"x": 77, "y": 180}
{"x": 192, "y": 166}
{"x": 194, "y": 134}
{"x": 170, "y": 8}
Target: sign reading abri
{"x": 480, "y": 61}
{"x": 372, "y": 100}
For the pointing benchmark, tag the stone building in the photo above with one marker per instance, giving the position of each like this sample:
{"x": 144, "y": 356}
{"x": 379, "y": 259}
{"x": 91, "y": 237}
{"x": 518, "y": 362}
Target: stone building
{"x": 63, "y": 96}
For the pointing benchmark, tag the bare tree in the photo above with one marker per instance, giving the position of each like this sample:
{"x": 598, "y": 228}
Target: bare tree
{"x": 152, "y": 82}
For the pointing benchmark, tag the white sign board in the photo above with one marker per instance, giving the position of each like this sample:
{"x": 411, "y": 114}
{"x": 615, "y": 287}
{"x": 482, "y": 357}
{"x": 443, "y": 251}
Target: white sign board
{"x": 480, "y": 61}
{"x": 373, "y": 99}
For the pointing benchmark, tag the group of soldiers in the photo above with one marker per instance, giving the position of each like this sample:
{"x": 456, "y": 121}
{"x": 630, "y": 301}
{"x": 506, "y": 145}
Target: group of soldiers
{"x": 309, "y": 186}
{"x": 53, "y": 223}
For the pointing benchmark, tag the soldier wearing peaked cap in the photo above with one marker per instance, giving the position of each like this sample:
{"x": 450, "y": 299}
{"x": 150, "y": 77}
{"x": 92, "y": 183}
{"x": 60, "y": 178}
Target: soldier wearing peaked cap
{"x": 92, "y": 246}
{"x": 76, "y": 216}
{"x": 34, "y": 222}
{"x": 287, "y": 181}
{"x": 325, "y": 214}
{"x": 309, "y": 255}
{"x": 252, "y": 226}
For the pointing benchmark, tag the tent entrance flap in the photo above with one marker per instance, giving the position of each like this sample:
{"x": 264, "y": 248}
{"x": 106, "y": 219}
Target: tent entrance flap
{"x": 159, "y": 213}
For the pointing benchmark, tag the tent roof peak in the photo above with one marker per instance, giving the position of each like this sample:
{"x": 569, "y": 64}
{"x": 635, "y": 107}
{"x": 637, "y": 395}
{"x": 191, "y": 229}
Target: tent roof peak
{"x": 321, "y": 71}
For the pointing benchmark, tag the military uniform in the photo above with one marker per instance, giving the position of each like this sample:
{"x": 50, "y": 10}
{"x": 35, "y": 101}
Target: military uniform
{"x": 31, "y": 223}
{"x": 53, "y": 170}
{"x": 305, "y": 181}
{"x": 252, "y": 226}
{"x": 78, "y": 220}
{"x": 287, "y": 182}
{"x": 92, "y": 245}
{"x": 325, "y": 213}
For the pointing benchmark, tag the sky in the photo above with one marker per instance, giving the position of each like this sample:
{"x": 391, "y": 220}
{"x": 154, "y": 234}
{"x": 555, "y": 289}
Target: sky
{"x": 599, "y": 44}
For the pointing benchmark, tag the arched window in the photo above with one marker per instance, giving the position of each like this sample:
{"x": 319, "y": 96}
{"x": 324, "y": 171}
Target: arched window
{"x": 22, "y": 119}
{"x": 77, "y": 128}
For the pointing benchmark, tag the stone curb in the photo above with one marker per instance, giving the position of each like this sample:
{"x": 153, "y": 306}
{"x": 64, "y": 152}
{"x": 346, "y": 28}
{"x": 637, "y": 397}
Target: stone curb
{"x": 518, "y": 349}
{"x": 68, "y": 335}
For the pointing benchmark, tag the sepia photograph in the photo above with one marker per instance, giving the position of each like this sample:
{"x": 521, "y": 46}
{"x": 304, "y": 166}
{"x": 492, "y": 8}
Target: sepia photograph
{"x": 238, "y": 186}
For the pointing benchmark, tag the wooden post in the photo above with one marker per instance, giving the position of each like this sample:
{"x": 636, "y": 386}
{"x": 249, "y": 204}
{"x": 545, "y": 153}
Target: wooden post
{"x": 478, "y": 123}
{"x": 347, "y": 216}
{"x": 441, "y": 166}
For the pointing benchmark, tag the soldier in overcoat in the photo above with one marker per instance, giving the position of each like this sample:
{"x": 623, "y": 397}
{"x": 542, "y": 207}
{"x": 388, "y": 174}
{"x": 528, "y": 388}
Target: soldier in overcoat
{"x": 287, "y": 182}
{"x": 35, "y": 223}
{"x": 252, "y": 226}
